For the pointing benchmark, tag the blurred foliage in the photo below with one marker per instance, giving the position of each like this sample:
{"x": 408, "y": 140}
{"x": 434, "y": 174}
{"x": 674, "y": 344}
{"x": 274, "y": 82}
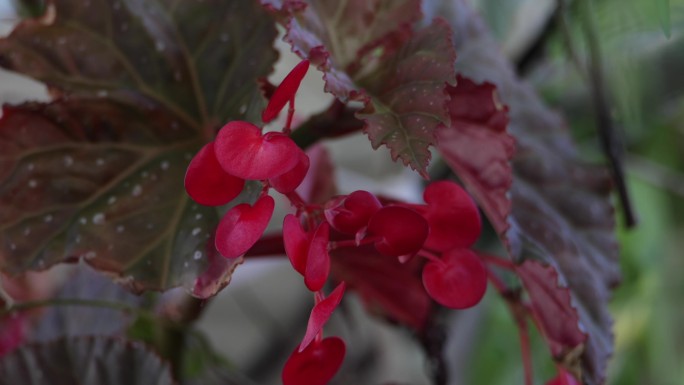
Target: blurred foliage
{"x": 642, "y": 43}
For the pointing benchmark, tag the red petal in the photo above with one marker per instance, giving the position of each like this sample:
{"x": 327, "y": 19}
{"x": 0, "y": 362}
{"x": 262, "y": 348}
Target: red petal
{"x": 207, "y": 183}
{"x": 318, "y": 259}
{"x": 453, "y": 217}
{"x": 290, "y": 180}
{"x": 351, "y": 213}
{"x": 316, "y": 365}
{"x": 296, "y": 243}
{"x": 402, "y": 230}
{"x": 243, "y": 151}
{"x": 320, "y": 315}
{"x": 285, "y": 91}
{"x": 458, "y": 281}
{"x": 242, "y": 226}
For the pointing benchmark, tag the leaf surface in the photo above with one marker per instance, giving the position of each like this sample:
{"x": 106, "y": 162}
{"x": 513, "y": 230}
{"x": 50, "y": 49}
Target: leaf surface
{"x": 377, "y": 58}
{"x": 84, "y": 360}
{"x": 98, "y": 173}
{"x": 561, "y": 213}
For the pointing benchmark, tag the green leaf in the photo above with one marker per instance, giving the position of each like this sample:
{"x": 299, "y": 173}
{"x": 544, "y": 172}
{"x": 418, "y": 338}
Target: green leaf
{"x": 84, "y": 360}
{"x": 369, "y": 52}
{"x": 98, "y": 173}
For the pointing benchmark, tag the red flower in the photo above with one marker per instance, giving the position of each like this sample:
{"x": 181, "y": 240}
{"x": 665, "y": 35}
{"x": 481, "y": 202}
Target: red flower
{"x": 242, "y": 226}
{"x": 315, "y": 365}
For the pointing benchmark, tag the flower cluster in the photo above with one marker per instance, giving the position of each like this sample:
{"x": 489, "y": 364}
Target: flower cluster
{"x": 441, "y": 231}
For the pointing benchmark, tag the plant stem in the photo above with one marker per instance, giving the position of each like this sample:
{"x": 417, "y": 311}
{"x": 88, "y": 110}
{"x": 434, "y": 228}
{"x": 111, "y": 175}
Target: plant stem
{"x": 611, "y": 143}
{"x": 337, "y": 120}
{"x": 433, "y": 338}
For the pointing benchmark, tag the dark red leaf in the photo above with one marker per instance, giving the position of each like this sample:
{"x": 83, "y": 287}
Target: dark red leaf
{"x": 218, "y": 272}
{"x": 401, "y": 231}
{"x": 318, "y": 259}
{"x": 402, "y": 89}
{"x": 552, "y": 308}
{"x": 99, "y": 173}
{"x": 243, "y": 151}
{"x": 351, "y": 213}
{"x": 320, "y": 315}
{"x": 104, "y": 181}
{"x": 316, "y": 365}
{"x": 242, "y": 226}
{"x": 561, "y": 211}
{"x": 285, "y": 92}
{"x": 207, "y": 183}
{"x": 388, "y": 288}
{"x": 458, "y": 281}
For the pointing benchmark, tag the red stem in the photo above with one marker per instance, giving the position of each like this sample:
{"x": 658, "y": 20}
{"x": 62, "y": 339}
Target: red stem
{"x": 525, "y": 350}
{"x": 496, "y": 261}
{"x": 429, "y": 256}
{"x": 518, "y": 311}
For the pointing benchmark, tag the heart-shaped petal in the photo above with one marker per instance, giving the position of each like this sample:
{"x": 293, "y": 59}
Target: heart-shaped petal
{"x": 242, "y": 226}
{"x": 290, "y": 180}
{"x": 318, "y": 259}
{"x": 315, "y": 365}
{"x": 349, "y": 214}
{"x": 401, "y": 231}
{"x": 296, "y": 243}
{"x": 320, "y": 315}
{"x": 243, "y": 151}
{"x": 285, "y": 91}
{"x": 453, "y": 217}
{"x": 207, "y": 183}
{"x": 457, "y": 281}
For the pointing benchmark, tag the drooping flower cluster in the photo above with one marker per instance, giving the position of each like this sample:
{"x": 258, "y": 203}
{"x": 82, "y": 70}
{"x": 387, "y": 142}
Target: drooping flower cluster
{"x": 241, "y": 151}
{"x": 441, "y": 230}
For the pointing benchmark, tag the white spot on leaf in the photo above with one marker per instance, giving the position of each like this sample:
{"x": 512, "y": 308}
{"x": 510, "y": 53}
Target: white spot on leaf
{"x": 98, "y": 219}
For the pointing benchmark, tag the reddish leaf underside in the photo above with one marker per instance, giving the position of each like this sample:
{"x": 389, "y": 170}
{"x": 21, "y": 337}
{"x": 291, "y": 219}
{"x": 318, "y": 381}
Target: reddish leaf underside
{"x": 552, "y": 308}
{"x": 99, "y": 173}
{"x": 387, "y": 287}
{"x": 561, "y": 212}
{"x": 478, "y": 148}
{"x": 397, "y": 73}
